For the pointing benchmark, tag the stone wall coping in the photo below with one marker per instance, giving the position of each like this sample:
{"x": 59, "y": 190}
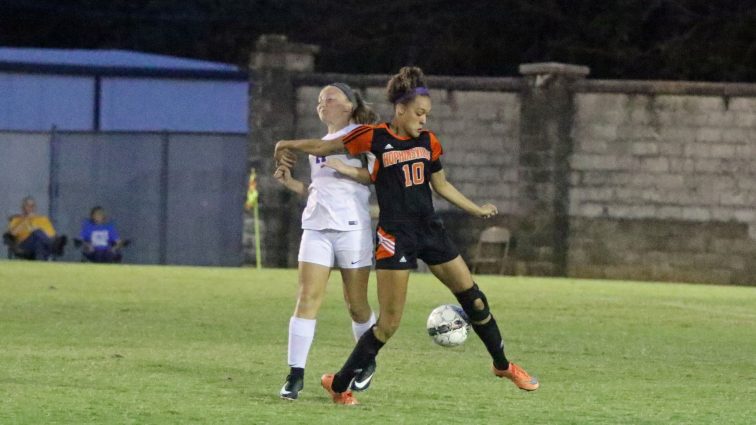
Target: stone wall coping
{"x": 514, "y": 84}
{"x": 554, "y": 68}
{"x": 279, "y": 43}
{"x": 507, "y": 84}
{"x": 659, "y": 87}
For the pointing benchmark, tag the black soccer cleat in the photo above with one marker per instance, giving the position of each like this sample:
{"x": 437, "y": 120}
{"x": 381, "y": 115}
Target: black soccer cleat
{"x": 292, "y": 387}
{"x": 362, "y": 380}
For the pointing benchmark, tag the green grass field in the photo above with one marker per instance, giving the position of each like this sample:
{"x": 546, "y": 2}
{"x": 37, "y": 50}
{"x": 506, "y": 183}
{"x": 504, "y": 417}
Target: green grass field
{"x": 125, "y": 344}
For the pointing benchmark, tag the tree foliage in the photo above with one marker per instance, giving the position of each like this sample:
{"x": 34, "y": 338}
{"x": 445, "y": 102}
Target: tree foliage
{"x": 643, "y": 39}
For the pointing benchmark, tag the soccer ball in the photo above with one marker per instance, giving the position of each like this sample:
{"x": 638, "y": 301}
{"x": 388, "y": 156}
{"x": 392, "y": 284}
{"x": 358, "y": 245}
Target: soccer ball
{"x": 448, "y": 325}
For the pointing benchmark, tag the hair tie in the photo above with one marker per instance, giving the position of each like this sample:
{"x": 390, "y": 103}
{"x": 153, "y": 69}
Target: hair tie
{"x": 418, "y": 91}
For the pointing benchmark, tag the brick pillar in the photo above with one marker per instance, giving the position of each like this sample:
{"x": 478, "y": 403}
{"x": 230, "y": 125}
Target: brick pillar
{"x": 272, "y": 108}
{"x": 545, "y": 145}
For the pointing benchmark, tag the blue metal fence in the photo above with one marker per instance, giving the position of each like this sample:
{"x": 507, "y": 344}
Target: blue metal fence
{"x": 178, "y": 196}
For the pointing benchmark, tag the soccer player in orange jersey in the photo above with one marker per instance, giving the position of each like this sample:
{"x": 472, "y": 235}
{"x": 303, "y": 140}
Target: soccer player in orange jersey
{"x": 407, "y": 166}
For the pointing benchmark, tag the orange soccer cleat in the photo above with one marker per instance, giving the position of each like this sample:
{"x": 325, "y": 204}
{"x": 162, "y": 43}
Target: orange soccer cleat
{"x": 346, "y": 398}
{"x": 518, "y": 375}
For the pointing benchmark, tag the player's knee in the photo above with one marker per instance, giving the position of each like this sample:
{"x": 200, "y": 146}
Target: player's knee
{"x": 387, "y": 328}
{"x": 475, "y": 305}
{"x": 359, "y": 314}
{"x": 482, "y": 308}
{"x": 479, "y": 305}
{"x": 307, "y": 304}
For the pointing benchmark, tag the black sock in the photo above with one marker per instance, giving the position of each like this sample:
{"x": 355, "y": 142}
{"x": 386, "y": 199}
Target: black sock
{"x": 491, "y": 337}
{"x": 297, "y": 372}
{"x": 364, "y": 352}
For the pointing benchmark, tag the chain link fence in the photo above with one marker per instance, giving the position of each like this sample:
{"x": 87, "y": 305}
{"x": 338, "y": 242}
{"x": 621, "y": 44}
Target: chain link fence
{"x": 178, "y": 196}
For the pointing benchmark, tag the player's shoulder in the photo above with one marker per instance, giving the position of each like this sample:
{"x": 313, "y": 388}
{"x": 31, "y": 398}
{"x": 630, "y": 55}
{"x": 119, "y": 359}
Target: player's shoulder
{"x": 380, "y": 127}
{"x": 430, "y": 134}
{"x": 363, "y": 131}
{"x": 361, "y": 128}
{"x": 374, "y": 126}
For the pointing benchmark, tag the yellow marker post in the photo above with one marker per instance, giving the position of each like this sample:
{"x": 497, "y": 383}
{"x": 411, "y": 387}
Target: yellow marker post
{"x": 252, "y": 204}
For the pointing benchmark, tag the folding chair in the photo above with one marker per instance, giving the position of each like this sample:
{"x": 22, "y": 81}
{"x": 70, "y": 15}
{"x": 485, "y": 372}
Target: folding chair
{"x": 492, "y": 248}
{"x": 79, "y": 244}
{"x": 56, "y": 251}
{"x": 10, "y": 244}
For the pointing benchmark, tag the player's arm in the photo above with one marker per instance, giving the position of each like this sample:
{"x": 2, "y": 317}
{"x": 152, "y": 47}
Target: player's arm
{"x": 447, "y": 191}
{"x": 283, "y": 175}
{"x": 360, "y": 174}
{"x": 315, "y": 147}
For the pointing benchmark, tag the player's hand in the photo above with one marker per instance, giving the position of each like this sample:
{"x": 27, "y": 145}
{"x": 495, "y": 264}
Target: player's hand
{"x": 334, "y": 163}
{"x": 279, "y": 149}
{"x": 289, "y": 159}
{"x": 282, "y": 174}
{"x": 284, "y": 156}
{"x": 488, "y": 211}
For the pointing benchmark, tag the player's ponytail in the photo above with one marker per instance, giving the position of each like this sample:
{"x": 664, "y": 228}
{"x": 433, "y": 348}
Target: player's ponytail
{"x": 362, "y": 113}
{"x": 406, "y": 85}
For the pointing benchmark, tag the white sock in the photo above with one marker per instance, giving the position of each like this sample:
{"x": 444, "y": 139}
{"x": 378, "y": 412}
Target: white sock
{"x": 301, "y": 334}
{"x": 360, "y": 328}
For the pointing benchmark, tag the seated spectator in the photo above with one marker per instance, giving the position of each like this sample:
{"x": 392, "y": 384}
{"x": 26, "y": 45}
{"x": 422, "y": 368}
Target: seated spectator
{"x": 32, "y": 236}
{"x": 100, "y": 240}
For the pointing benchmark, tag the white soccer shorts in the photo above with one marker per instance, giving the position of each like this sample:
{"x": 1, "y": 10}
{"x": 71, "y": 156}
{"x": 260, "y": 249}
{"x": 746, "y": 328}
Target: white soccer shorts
{"x": 349, "y": 249}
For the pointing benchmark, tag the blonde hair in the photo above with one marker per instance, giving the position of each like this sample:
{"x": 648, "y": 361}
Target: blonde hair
{"x": 361, "y": 111}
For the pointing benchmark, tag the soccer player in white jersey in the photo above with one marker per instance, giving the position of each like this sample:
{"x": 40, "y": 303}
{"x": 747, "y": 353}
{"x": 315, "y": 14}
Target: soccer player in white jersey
{"x": 336, "y": 233}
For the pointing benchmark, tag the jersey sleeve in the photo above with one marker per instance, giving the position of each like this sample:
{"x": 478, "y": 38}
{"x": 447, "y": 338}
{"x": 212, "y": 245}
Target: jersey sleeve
{"x": 436, "y": 152}
{"x": 359, "y": 140}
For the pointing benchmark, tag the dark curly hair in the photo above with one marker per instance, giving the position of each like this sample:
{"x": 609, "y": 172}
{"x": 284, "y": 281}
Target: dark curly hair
{"x": 401, "y": 87}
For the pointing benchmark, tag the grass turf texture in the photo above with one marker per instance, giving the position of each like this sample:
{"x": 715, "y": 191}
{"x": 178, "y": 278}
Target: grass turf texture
{"x": 126, "y": 344}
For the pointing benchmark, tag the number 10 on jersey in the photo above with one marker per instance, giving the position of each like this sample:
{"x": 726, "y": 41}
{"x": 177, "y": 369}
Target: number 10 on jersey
{"x": 416, "y": 176}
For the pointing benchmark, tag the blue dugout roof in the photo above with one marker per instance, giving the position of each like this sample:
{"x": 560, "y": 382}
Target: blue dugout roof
{"x": 112, "y": 62}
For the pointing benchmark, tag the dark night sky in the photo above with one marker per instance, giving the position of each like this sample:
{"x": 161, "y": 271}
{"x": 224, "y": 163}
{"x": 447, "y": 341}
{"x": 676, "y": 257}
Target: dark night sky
{"x": 644, "y": 39}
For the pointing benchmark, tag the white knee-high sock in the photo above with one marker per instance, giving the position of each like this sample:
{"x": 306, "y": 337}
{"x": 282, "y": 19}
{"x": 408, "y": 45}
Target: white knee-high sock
{"x": 301, "y": 334}
{"x": 360, "y": 328}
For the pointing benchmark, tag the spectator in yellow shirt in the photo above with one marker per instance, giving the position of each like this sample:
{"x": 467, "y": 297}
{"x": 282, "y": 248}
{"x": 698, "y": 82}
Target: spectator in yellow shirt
{"x": 33, "y": 233}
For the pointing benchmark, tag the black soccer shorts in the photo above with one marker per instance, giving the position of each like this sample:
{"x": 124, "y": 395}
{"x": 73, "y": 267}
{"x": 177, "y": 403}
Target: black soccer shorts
{"x": 400, "y": 244}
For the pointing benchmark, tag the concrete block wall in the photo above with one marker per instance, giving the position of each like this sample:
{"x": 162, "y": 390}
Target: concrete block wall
{"x": 606, "y": 179}
{"x": 678, "y": 165}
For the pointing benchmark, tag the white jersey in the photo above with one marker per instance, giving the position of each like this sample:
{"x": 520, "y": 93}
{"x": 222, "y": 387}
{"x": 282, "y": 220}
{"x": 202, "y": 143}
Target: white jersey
{"x": 336, "y": 202}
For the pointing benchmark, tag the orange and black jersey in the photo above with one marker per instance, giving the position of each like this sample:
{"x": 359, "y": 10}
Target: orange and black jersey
{"x": 402, "y": 171}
